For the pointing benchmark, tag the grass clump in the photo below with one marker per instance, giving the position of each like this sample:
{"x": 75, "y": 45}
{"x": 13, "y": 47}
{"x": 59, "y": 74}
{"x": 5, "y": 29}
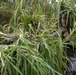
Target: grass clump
{"x": 35, "y": 51}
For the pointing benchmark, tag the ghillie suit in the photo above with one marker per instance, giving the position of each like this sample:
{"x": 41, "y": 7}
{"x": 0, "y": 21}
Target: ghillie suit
{"x": 6, "y": 11}
{"x": 5, "y": 15}
{"x": 66, "y": 22}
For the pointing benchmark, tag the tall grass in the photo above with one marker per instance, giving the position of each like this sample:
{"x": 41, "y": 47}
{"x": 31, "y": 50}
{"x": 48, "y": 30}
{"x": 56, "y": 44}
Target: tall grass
{"x": 36, "y": 51}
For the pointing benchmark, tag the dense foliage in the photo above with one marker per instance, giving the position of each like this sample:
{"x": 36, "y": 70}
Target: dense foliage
{"x": 35, "y": 51}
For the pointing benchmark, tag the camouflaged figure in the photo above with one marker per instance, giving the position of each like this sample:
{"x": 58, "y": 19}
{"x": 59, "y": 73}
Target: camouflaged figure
{"x": 70, "y": 50}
